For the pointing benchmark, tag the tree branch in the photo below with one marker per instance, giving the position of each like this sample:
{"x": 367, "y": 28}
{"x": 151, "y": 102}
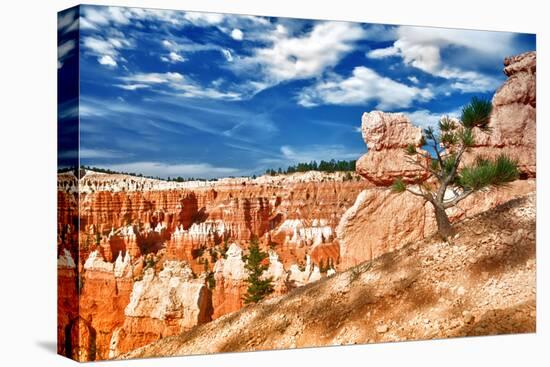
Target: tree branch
{"x": 450, "y": 177}
{"x": 423, "y": 195}
{"x": 416, "y": 163}
{"x": 457, "y": 199}
{"x": 437, "y": 152}
{"x": 457, "y": 163}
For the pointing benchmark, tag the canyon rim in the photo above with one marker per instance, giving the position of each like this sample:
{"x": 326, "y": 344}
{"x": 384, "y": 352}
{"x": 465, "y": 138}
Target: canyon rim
{"x": 239, "y": 183}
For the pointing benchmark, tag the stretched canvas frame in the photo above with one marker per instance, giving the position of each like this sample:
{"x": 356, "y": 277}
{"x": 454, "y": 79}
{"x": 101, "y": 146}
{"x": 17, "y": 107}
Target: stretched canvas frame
{"x": 239, "y": 183}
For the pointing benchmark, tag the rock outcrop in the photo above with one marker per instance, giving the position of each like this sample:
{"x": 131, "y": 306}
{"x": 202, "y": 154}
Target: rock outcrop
{"x": 160, "y": 305}
{"x": 277, "y": 273}
{"x": 387, "y": 135}
{"x": 513, "y": 120}
{"x": 382, "y": 221}
{"x": 229, "y": 275}
{"x": 105, "y": 292}
{"x": 300, "y": 277}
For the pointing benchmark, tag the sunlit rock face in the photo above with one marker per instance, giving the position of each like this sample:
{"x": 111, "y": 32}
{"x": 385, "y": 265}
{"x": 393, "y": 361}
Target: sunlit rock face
{"x": 230, "y": 275}
{"x": 387, "y": 135}
{"x": 513, "y": 119}
{"x": 381, "y": 221}
{"x": 162, "y": 304}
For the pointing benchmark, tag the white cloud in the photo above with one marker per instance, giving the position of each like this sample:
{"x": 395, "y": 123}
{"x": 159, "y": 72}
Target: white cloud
{"x": 421, "y": 47}
{"x": 227, "y": 54}
{"x": 237, "y": 34}
{"x": 63, "y": 51}
{"x": 200, "y": 170}
{"x": 96, "y": 17}
{"x": 107, "y": 61}
{"x": 303, "y": 57}
{"x": 470, "y": 82}
{"x": 380, "y": 32}
{"x": 67, "y": 21}
{"x": 178, "y": 84}
{"x": 425, "y": 118}
{"x": 132, "y": 86}
{"x": 363, "y": 86}
{"x": 413, "y": 79}
{"x": 99, "y": 45}
{"x": 101, "y": 153}
{"x": 175, "y": 57}
{"x": 381, "y": 53}
{"x": 106, "y": 49}
{"x": 154, "y": 78}
{"x": 204, "y": 19}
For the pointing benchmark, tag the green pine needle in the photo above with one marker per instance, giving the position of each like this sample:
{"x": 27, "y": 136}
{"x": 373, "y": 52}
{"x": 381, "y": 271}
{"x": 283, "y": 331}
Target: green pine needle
{"x": 399, "y": 186}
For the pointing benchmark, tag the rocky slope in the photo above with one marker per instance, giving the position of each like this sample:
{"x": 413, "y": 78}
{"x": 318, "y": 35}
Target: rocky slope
{"x": 481, "y": 283}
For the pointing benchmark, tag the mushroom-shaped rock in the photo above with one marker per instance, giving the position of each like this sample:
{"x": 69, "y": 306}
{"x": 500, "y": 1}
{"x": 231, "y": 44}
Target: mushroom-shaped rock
{"x": 387, "y": 135}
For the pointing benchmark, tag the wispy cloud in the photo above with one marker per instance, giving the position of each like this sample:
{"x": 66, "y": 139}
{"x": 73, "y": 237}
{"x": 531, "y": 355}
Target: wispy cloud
{"x": 66, "y": 22}
{"x": 88, "y": 153}
{"x": 422, "y": 48}
{"x": 168, "y": 113}
{"x": 177, "y": 84}
{"x": 363, "y": 86}
{"x": 317, "y": 152}
{"x": 199, "y": 170}
{"x": 64, "y": 51}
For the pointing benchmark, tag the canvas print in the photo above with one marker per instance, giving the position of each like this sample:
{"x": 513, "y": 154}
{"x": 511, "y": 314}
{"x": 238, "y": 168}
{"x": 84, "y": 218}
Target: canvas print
{"x": 242, "y": 183}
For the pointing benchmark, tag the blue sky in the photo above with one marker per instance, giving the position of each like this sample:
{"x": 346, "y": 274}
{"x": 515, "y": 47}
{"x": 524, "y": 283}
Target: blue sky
{"x": 173, "y": 93}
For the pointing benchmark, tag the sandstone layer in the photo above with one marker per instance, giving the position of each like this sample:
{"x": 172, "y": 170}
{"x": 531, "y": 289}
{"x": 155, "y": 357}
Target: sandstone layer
{"x": 151, "y": 259}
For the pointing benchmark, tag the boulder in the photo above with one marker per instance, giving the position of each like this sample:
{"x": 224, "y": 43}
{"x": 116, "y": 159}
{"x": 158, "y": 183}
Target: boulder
{"x": 387, "y": 135}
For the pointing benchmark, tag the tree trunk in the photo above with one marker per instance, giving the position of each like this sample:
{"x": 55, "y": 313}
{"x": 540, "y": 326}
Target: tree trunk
{"x": 444, "y": 227}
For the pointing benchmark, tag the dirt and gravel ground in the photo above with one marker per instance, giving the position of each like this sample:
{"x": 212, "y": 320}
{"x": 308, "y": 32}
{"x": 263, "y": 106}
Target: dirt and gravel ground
{"x": 483, "y": 282}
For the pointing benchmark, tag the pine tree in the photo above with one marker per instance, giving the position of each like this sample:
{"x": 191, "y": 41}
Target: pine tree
{"x": 453, "y": 140}
{"x": 258, "y": 288}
